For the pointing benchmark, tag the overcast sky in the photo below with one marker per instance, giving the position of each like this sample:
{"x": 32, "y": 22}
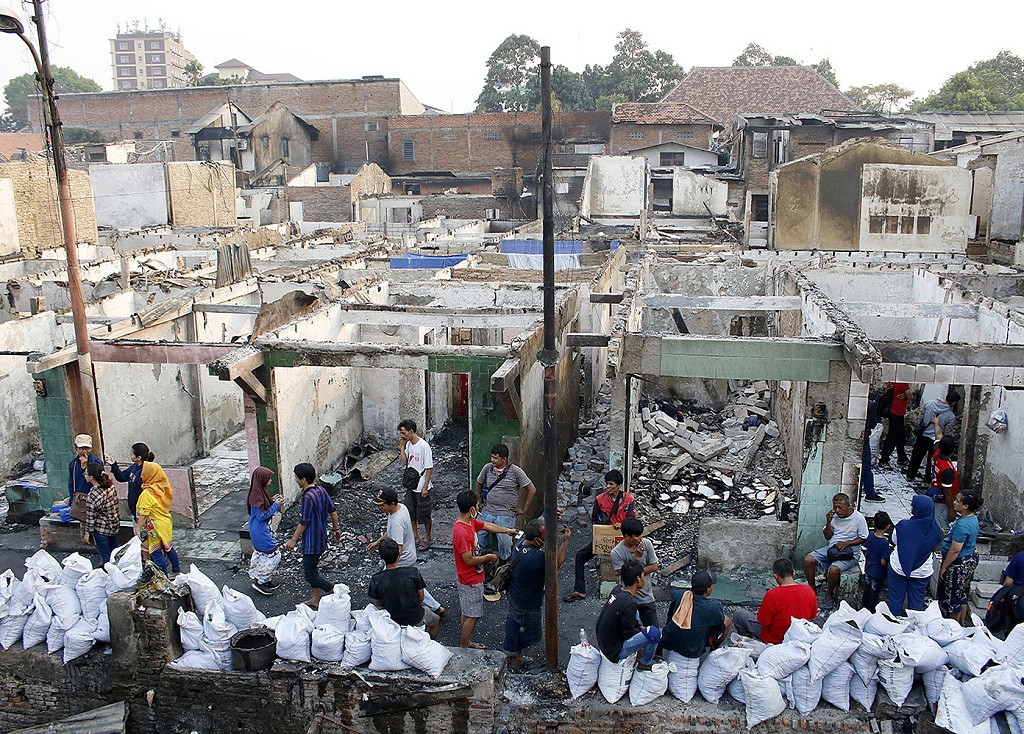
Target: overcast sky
{"x": 440, "y": 49}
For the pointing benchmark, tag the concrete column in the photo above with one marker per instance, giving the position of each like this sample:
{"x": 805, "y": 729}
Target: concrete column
{"x": 618, "y": 422}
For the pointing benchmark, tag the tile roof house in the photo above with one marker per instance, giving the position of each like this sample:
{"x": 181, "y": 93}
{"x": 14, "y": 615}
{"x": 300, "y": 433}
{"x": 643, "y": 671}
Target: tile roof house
{"x": 641, "y": 125}
{"x": 724, "y": 92}
{"x": 234, "y": 67}
{"x": 20, "y": 146}
{"x": 660, "y": 113}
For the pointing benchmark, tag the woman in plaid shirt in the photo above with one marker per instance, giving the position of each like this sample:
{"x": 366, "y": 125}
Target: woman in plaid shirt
{"x": 102, "y": 518}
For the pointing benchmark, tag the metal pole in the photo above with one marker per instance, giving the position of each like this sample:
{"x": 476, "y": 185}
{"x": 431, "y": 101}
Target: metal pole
{"x": 549, "y": 358}
{"x": 84, "y": 411}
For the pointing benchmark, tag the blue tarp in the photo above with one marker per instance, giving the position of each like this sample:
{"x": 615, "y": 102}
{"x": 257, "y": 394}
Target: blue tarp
{"x": 429, "y": 262}
{"x": 536, "y": 247}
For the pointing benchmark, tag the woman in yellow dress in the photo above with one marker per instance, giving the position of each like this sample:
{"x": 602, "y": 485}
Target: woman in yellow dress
{"x": 154, "y": 517}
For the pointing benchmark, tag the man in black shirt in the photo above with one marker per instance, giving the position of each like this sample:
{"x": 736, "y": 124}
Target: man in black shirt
{"x": 619, "y": 633}
{"x": 695, "y": 620}
{"x": 526, "y": 591}
{"x": 399, "y": 590}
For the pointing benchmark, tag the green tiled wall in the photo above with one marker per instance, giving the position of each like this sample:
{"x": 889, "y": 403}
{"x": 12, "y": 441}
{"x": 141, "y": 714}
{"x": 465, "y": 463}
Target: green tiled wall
{"x": 738, "y": 359}
{"x": 815, "y": 502}
{"x": 266, "y": 430}
{"x": 55, "y": 426}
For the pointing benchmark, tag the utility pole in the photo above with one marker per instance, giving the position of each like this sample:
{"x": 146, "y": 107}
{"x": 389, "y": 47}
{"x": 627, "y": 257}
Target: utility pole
{"x": 82, "y": 388}
{"x": 549, "y": 358}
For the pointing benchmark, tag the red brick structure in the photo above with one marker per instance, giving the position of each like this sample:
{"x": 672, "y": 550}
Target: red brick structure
{"x": 641, "y": 124}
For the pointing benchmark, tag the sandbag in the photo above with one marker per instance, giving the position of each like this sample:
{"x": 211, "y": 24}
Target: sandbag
{"x": 883, "y": 622}
{"x": 647, "y": 685}
{"x": 327, "y": 643}
{"x": 13, "y": 626}
{"x": 835, "y": 687}
{"x": 932, "y": 681}
{"x": 8, "y": 583}
{"x": 778, "y": 661}
{"x": 44, "y": 565}
{"x": 720, "y": 667}
{"x": 952, "y": 714}
{"x": 361, "y": 617}
{"x": 75, "y": 567}
{"x": 846, "y": 613}
{"x": 863, "y": 693}
{"x": 102, "y": 631}
{"x": 835, "y": 646}
{"x": 240, "y": 610}
{"x": 272, "y": 622}
{"x": 335, "y": 609}
{"x": 584, "y": 664}
{"x": 358, "y": 648}
{"x": 92, "y": 592}
{"x": 63, "y": 600}
{"x": 921, "y": 619}
{"x": 1012, "y": 652}
{"x": 802, "y": 630}
{"x": 120, "y": 580}
{"x": 613, "y": 678}
{"x": 945, "y": 631}
{"x": 921, "y": 652}
{"x": 999, "y": 688}
{"x": 217, "y": 633}
{"x": 386, "y": 643}
{"x": 37, "y": 624}
{"x": 682, "y": 682}
{"x": 293, "y": 639}
{"x": 128, "y": 557}
{"x": 306, "y": 612}
{"x": 190, "y": 629}
{"x": 196, "y": 660}
{"x": 763, "y": 697}
{"x": 204, "y": 591}
{"x": 423, "y": 653}
{"x": 968, "y": 657}
{"x": 803, "y": 691}
{"x": 865, "y": 658}
{"x": 735, "y": 690}
{"x": 79, "y": 639}
{"x": 896, "y": 678}
{"x": 57, "y": 632}
{"x": 23, "y": 592}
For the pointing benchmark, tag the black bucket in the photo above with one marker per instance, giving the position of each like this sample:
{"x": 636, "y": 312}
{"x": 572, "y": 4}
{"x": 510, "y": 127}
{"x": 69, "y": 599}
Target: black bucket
{"x": 253, "y": 649}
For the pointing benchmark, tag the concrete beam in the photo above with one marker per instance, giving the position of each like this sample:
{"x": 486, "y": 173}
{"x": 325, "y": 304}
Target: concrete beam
{"x": 794, "y": 303}
{"x": 478, "y": 319}
{"x": 606, "y": 297}
{"x": 587, "y": 340}
{"x": 966, "y": 355}
{"x": 225, "y": 308}
{"x": 392, "y": 356}
{"x": 147, "y": 352}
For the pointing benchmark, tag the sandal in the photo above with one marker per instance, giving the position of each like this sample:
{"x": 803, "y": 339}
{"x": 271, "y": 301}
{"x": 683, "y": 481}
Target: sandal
{"x": 573, "y": 596}
{"x": 477, "y": 646}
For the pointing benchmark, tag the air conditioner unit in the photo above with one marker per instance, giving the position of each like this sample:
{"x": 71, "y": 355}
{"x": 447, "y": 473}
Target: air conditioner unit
{"x": 243, "y": 144}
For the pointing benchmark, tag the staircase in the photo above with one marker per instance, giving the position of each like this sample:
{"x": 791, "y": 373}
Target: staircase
{"x": 987, "y": 577}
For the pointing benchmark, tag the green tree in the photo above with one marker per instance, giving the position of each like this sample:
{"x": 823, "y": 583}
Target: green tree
{"x": 607, "y": 101}
{"x": 754, "y": 55}
{"x": 194, "y": 72}
{"x": 884, "y": 98}
{"x": 824, "y": 67}
{"x": 571, "y": 89}
{"x": 18, "y": 89}
{"x": 993, "y": 84}
{"x": 639, "y": 74}
{"x": 513, "y": 76}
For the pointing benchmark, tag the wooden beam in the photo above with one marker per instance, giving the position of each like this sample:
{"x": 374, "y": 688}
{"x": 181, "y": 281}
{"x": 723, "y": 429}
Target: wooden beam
{"x": 252, "y": 387}
{"x": 587, "y": 340}
{"x": 606, "y": 298}
{"x": 138, "y": 351}
{"x": 240, "y": 361}
{"x": 505, "y": 376}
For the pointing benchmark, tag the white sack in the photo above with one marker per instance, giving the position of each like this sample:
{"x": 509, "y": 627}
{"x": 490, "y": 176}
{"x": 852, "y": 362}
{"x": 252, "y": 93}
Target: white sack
{"x": 1012, "y": 651}
{"x": 335, "y": 609}
{"x": 75, "y": 567}
{"x": 735, "y": 689}
{"x": 968, "y": 657}
{"x": 63, "y": 600}
{"x": 128, "y": 557}
{"x": 863, "y": 693}
{"x": 764, "y": 697}
{"x": 803, "y": 691}
{"x": 778, "y": 661}
{"x": 37, "y": 624}
{"x": 293, "y": 639}
{"x": 846, "y": 613}
{"x": 79, "y": 639}
{"x": 240, "y": 610}
{"x": 196, "y": 660}
{"x": 682, "y": 682}
{"x": 423, "y": 653}
{"x": 44, "y": 565}
{"x": 647, "y": 685}
{"x": 835, "y": 687}
{"x": 613, "y": 678}
{"x": 361, "y": 617}
{"x": 358, "y": 648}
{"x": 190, "y": 629}
{"x": 204, "y": 591}
{"x": 952, "y": 713}
{"x": 835, "y": 646}
{"x": 13, "y": 626}
{"x": 865, "y": 658}
{"x": 57, "y": 632}
{"x": 921, "y": 619}
{"x": 120, "y": 580}
{"x": 92, "y": 592}
{"x": 999, "y": 688}
{"x": 923, "y": 653}
{"x": 945, "y": 631}
{"x": 327, "y": 643}
{"x": 896, "y": 678}
{"x": 23, "y": 591}
{"x": 883, "y": 622}
{"x": 386, "y": 643}
{"x": 802, "y": 630}
{"x": 102, "y": 631}
{"x": 217, "y": 633}
{"x": 932, "y": 681}
{"x": 584, "y": 664}
{"x": 8, "y": 583}
{"x": 720, "y": 667}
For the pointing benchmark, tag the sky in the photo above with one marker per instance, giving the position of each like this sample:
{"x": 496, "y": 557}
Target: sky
{"x": 440, "y": 49}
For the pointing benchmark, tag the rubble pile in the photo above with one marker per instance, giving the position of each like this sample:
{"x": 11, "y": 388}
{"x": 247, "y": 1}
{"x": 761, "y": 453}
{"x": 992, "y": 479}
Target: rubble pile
{"x": 583, "y": 474}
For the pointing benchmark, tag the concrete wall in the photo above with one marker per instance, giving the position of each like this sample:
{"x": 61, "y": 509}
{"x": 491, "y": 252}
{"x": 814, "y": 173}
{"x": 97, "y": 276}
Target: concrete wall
{"x": 692, "y": 157}
{"x": 20, "y": 437}
{"x": 616, "y": 187}
{"x": 1008, "y": 191}
{"x": 691, "y": 191}
{"x": 1004, "y": 460}
{"x": 202, "y": 194}
{"x": 725, "y": 543}
{"x": 389, "y": 395}
{"x": 129, "y": 196}
{"x": 35, "y": 191}
{"x": 9, "y": 243}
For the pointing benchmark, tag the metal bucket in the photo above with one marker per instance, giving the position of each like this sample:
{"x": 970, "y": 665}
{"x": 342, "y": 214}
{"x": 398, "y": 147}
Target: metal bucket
{"x": 253, "y": 649}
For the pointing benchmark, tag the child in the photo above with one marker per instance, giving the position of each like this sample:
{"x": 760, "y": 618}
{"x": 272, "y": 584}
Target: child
{"x": 876, "y": 560}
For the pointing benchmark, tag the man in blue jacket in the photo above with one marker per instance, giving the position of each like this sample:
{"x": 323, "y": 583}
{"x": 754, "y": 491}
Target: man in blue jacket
{"x": 76, "y": 469}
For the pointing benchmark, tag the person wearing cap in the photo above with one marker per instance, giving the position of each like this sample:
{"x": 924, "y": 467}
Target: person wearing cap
{"x": 84, "y": 456}
{"x": 788, "y": 601}
{"x": 619, "y": 633}
{"x": 945, "y": 482}
{"x": 400, "y": 530}
{"x": 695, "y": 620}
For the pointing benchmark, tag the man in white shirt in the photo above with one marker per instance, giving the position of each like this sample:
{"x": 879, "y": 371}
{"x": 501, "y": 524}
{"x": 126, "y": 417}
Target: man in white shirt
{"x": 417, "y": 456}
{"x": 845, "y": 529}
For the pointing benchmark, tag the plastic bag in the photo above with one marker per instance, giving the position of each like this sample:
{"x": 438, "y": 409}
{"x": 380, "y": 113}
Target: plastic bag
{"x": 896, "y": 678}
{"x": 720, "y": 667}
{"x": 764, "y": 697}
{"x": 358, "y": 648}
{"x": 802, "y": 630}
{"x": 75, "y": 567}
{"x": 13, "y": 626}
{"x": 92, "y": 592}
{"x": 584, "y": 664}
{"x": 952, "y": 713}
{"x": 932, "y": 681}
{"x": 968, "y": 657}
{"x": 45, "y": 566}
{"x": 204, "y": 591}
{"x": 120, "y": 580}
{"x": 335, "y": 609}
{"x": 423, "y": 653}
{"x": 835, "y": 687}
{"x": 293, "y": 639}
{"x": 999, "y": 688}
{"x": 190, "y": 629}
{"x": 863, "y": 693}
{"x": 63, "y": 600}
{"x": 778, "y": 661}
{"x": 921, "y": 652}
{"x": 803, "y": 691}
{"x": 79, "y": 639}
{"x": 613, "y": 678}
{"x": 835, "y": 646}
{"x": 240, "y": 610}
{"x": 327, "y": 643}
{"x": 196, "y": 660}
{"x": 682, "y": 682}
{"x": 647, "y": 685}
{"x": 386, "y": 643}
{"x": 37, "y": 624}
{"x": 57, "y": 632}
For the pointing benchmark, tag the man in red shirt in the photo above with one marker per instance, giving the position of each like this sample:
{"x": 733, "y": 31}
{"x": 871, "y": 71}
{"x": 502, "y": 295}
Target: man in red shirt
{"x": 610, "y": 508}
{"x": 896, "y": 435}
{"x": 787, "y": 601}
{"x": 469, "y": 567}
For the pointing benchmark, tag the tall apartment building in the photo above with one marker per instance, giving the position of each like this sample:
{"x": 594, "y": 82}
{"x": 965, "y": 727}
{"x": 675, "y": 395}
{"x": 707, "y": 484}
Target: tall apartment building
{"x": 148, "y": 60}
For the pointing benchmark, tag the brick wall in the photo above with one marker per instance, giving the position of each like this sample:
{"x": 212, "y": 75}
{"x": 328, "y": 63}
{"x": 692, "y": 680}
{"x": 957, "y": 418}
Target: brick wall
{"x": 37, "y": 210}
{"x": 467, "y": 206}
{"x": 202, "y": 194}
{"x": 370, "y": 180}
{"x": 624, "y": 136}
{"x": 323, "y": 203}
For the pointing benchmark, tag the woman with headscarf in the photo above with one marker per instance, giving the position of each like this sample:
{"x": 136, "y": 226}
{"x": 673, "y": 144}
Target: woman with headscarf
{"x": 959, "y": 558}
{"x": 266, "y": 553}
{"x": 154, "y": 523}
{"x": 910, "y": 564}
{"x": 132, "y": 474}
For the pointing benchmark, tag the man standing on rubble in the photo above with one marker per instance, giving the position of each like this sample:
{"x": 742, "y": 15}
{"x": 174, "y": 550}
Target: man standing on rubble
{"x": 610, "y": 508}
{"x": 935, "y": 414}
{"x": 317, "y": 507}
{"x": 418, "y": 460}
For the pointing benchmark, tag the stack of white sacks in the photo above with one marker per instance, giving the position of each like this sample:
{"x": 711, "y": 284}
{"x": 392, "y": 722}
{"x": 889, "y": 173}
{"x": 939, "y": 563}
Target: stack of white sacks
{"x": 64, "y": 604}
{"x": 968, "y": 675}
{"x": 333, "y": 633}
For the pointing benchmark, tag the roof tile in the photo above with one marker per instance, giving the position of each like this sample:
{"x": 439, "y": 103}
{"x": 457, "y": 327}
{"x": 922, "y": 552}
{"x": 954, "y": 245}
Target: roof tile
{"x": 660, "y": 113}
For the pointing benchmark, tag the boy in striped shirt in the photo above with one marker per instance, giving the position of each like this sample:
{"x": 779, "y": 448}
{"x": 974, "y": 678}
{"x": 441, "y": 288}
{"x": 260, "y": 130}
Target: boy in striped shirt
{"x": 317, "y": 506}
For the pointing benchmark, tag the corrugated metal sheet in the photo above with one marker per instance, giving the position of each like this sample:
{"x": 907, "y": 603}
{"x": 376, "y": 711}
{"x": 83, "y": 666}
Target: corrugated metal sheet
{"x": 104, "y": 720}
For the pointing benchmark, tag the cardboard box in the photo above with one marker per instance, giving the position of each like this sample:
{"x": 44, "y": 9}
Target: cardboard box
{"x": 605, "y": 538}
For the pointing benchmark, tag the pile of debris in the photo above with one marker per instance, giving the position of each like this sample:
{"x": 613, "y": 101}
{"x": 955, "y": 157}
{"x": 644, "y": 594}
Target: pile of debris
{"x": 583, "y": 474}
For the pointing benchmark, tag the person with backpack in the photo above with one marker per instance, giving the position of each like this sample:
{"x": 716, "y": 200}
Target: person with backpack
{"x": 418, "y": 460}
{"x": 523, "y": 581}
{"x": 1006, "y": 607}
{"x": 935, "y": 414}
{"x": 499, "y": 486}
{"x": 892, "y": 406}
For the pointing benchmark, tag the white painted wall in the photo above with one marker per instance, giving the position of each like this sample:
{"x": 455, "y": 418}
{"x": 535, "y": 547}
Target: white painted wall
{"x": 129, "y": 196}
{"x": 691, "y": 191}
{"x": 616, "y": 186}
{"x": 9, "y": 243}
{"x": 1008, "y": 191}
